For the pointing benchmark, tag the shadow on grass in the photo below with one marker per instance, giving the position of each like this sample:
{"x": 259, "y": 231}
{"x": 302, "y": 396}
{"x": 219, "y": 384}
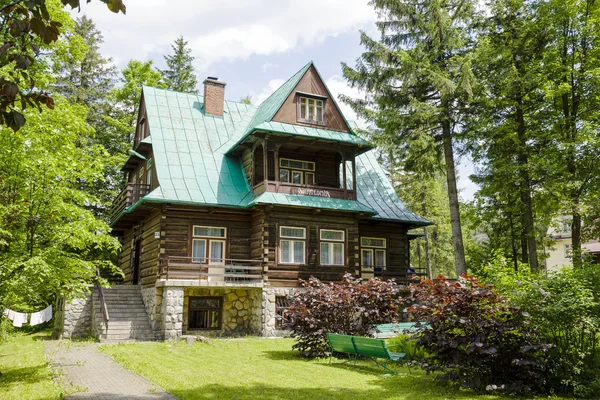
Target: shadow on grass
{"x": 384, "y": 388}
{"x": 286, "y": 355}
{"x": 21, "y": 376}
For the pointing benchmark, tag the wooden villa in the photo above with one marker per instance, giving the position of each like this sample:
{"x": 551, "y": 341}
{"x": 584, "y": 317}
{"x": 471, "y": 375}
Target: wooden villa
{"x": 229, "y": 204}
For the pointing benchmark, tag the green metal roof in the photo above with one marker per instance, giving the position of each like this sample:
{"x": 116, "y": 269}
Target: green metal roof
{"x": 374, "y": 189}
{"x": 192, "y": 166}
{"x": 310, "y": 201}
{"x": 262, "y": 119}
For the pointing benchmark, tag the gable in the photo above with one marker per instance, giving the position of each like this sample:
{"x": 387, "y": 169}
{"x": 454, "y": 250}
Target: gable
{"x": 311, "y": 83}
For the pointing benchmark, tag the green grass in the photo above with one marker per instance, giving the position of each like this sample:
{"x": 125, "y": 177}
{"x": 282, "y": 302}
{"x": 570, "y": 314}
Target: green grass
{"x": 25, "y": 370}
{"x": 267, "y": 369}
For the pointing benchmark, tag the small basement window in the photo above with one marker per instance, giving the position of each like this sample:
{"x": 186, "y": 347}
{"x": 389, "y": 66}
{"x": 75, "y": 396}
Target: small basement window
{"x": 282, "y": 312}
{"x": 311, "y": 110}
{"x": 205, "y": 313}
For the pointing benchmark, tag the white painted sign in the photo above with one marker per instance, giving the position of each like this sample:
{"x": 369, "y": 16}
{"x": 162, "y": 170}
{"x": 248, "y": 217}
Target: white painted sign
{"x": 313, "y": 192}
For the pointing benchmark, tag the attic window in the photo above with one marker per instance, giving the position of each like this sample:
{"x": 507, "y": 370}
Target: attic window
{"x": 311, "y": 110}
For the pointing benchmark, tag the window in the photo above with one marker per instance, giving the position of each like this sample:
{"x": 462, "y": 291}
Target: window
{"x": 211, "y": 240}
{"x": 149, "y": 173}
{"x": 205, "y": 313}
{"x": 292, "y": 242}
{"x": 332, "y": 247}
{"x": 282, "y": 312}
{"x": 296, "y": 171}
{"x": 373, "y": 252}
{"x": 311, "y": 110}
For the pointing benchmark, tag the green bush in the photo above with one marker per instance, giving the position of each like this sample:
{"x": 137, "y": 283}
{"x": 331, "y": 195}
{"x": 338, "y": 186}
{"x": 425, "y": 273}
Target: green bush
{"x": 565, "y": 307}
{"x": 477, "y": 338}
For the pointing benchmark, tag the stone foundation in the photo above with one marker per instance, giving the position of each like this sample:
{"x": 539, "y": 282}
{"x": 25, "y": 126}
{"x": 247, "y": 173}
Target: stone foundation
{"x": 172, "y": 312}
{"x": 74, "y": 319}
{"x": 268, "y": 317}
{"x": 153, "y": 300}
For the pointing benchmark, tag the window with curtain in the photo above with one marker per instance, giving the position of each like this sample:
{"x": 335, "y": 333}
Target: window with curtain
{"x": 292, "y": 245}
{"x": 373, "y": 252}
{"x": 208, "y": 244}
{"x": 311, "y": 110}
{"x": 332, "y": 247}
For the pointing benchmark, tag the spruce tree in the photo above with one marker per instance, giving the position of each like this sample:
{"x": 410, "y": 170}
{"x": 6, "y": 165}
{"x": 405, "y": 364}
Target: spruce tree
{"x": 84, "y": 76}
{"x": 417, "y": 77}
{"x": 179, "y": 75}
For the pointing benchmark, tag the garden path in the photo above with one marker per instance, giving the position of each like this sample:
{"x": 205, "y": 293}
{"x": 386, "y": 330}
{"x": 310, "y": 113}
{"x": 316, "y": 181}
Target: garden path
{"x": 88, "y": 374}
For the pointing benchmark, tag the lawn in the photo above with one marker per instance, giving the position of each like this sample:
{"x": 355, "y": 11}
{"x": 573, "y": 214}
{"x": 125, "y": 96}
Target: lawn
{"x": 248, "y": 369}
{"x": 25, "y": 370}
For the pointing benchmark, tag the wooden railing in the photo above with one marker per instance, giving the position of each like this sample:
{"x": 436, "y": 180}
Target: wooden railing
{"x": 101, "y": 298}
{"x": 400, "y": 274}
{"x": 304, "y": 190}
{"x": 211, "y": 270}
{"x": 132, "y": 193}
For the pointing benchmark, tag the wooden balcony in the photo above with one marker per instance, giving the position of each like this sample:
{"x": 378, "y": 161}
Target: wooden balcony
{"x": 132, "y": 193}
{"x": 304, "y": 190}
{"x": 397, "y": 273}
{"x": 210, "y": 272}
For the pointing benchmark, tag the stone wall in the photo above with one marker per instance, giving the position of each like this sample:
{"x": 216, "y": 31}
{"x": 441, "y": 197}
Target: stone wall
{"x": 268, "y": 310}
{"x": 241, "y": 311}
{"x": 172, "y": 312}
{"x": 153, "y": 301}
{"x": 74, "y": 319}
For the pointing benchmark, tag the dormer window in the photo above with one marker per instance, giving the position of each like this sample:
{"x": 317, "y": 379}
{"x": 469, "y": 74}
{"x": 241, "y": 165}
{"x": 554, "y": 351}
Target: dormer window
{"x": 311, "y": 109}
{"x": 296, "y": 171}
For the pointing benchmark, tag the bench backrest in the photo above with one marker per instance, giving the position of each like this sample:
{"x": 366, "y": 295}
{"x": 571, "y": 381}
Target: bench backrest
{"x": 341, "y": 343}
{"x": 371, "y": 347}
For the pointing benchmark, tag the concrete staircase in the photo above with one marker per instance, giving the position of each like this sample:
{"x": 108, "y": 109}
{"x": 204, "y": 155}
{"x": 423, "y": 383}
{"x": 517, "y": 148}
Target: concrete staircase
{"x": 128, "y": 320}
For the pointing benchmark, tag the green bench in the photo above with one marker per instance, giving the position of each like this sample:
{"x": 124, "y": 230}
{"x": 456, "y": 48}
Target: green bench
{"x": 356, "y": 346}
{"x": 385, "y": 331}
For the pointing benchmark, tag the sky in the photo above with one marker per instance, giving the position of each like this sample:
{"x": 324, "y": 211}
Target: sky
{"x": 252, "y": 45}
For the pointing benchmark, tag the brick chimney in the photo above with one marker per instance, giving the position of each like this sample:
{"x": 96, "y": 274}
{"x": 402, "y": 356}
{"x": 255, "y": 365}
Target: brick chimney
{"x": 214, "y": 96}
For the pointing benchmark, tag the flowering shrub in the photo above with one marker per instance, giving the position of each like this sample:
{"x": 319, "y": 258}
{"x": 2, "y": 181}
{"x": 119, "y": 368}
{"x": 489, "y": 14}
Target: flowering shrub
{"x": 477, "y": 338}
{"x": 351, "y": 307}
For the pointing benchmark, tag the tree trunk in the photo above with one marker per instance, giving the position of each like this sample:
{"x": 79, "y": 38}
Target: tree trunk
{"x": 525, "y": 188}
{"x": 426, "y": 229}
{"x": 513, "y": 244}
{"x": 576, "y": 236}
{"x": 457, "y": 239}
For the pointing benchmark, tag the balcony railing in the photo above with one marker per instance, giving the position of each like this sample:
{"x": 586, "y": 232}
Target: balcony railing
{"x": 212, "y": 271}
{"x": 399, "y": 274}
{"x": 132, "y": 193}
{"x": 304, "y": 190}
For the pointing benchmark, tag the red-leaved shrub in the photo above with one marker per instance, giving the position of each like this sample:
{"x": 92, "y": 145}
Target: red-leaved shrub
{"x": 352, "y": 307}
{"x": 477, "y": 338}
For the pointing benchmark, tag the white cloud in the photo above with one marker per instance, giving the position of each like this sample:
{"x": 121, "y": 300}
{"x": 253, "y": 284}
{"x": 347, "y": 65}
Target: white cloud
{"x": 267, "y": 66}
{"x": 272, "y": 86}
{"x": 223, "y": 30}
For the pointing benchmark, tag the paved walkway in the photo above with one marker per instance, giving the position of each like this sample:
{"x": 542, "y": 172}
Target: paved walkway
{"x": 88, "y": 374}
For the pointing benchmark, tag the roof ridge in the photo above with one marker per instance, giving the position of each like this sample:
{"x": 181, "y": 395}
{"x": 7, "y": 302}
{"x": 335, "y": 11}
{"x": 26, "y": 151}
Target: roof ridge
{"x": 193, "y": 94}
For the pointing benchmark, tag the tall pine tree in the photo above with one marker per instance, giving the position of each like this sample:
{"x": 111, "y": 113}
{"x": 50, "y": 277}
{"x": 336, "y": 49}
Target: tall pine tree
{"x": 84, "y": 76}
{"x": 179, "y": 75}
{"x": 417, "y": 77}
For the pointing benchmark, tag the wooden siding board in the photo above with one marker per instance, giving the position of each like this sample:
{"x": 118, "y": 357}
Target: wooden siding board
{"x": 311, "y": 83}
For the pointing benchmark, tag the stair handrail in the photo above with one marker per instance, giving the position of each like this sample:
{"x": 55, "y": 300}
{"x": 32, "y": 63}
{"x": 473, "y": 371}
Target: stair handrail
{"x": 102, "y": 299}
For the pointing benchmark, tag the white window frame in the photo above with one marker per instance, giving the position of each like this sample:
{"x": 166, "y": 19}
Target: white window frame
{"x": 317, "y": 103}
{"x": 373, "y": 250}
{"x": 207, "y": 244}
{"x": 292, "y": 240}
{"x": 331, "y": 244}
